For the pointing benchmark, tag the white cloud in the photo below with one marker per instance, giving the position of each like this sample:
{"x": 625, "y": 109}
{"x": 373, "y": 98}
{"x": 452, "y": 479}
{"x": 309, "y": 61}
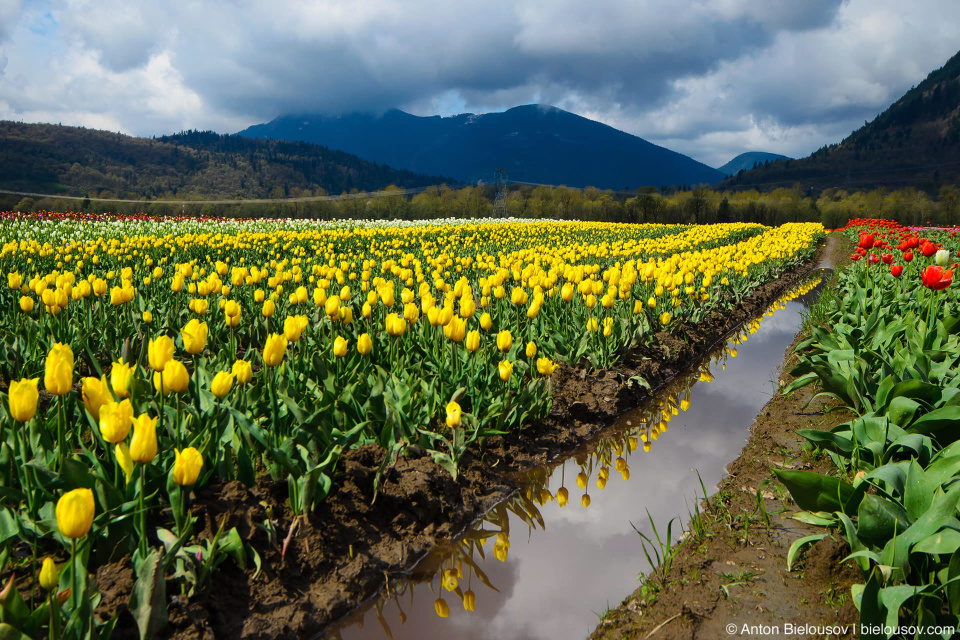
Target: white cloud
{"x": 710, "y": 79}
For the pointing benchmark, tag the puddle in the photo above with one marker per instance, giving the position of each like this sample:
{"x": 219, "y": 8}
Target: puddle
{"x": 533, "y": 569}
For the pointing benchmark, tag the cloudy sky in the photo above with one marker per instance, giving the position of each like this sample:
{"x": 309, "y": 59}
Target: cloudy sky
{"x": 709, "y": 78}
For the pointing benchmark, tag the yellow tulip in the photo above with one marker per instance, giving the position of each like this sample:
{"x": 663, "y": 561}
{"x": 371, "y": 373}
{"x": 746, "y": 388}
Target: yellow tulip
{"x": 122, "y": 451}
{"x": 470, "y": 601}
{"x": 121, "y": 377}
{"x": 592, "y": 324}
{"x": 94, "y": 393}
{"x": 268, "y": 308}
{"x": 473, "y": 340}
{"x": 143, "y": 446}
{"x": 49, "y": 575}
{"x": 562, "y": 496}
{"x": 585, "y": 500}
{"x": 147, "y": 317}
{"x": 449, "y": 579}
{"x": 194, "y": 336}
{"x": 453, "y": 415}
{"x": 364, "y": 344}
{"x": 26, "y": 304}
{"x": 292, "y": 328}
{"x": 504, "y": 340}
{"x": 58, "y": 370}
{"x": 115, "y": 420}
{"x": 74, "y": 513}
{"x": 340, "y": 347}
{"x": 23, "y": 398}
{"x": 274, "y": 350}
{"x": 531, "y": 350}
{"x": 242, "y": 371}
{"x": 545, "y": 366}
{"x": 160, "y": 352}
{"x": 231, "y": 308}
{"x": 116, "y": 296}
{"x": 501, "y": 546}
{"x": 665, "y": 318}
{"x": 187, "y": 466}
{"x": 581, "y": 480}
{"x": 486, "y": 322}
{"x": 440, "y": 606}
{"x": 221, "y": 385}
{"x": 506, "y": 369}
{"x": 332, "y": 307}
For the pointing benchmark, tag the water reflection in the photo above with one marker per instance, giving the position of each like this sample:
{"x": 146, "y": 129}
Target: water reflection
{"x": 563, "y": 548}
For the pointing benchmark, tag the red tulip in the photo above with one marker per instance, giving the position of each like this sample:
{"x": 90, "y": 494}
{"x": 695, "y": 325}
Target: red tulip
{"x": 908, "y": 256}
{"x": 913, "y": 242}
{"x": 896, "y": 270}
{"x": 936, "y": 278}
{"x": 866, "y": 241}
{"x": 874, "y": 259}
{"x": 887, "y": 258}
{"x": 928, "y": 249}
{"x": 855, "y": 257}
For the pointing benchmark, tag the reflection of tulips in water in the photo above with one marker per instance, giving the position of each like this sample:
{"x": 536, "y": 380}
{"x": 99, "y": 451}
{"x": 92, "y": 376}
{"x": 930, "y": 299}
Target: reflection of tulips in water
{"x": 609, "y": 453}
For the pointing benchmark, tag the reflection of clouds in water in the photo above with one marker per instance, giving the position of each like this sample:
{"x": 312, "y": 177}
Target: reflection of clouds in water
{"x": 555, "y": 582}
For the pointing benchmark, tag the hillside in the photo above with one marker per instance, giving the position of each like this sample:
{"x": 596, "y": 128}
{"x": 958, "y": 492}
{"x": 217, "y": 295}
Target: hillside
{"x": 915, "y": 142}
{"x": 749, "y": 160}
{"x": 77, "y": 161}
{"x": 533, "y": 143}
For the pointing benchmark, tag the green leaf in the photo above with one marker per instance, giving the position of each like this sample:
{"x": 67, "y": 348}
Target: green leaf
{"x": 880, "y": 519}
{"x": 816, "y": 492}
{"x": 917, "y": 490}
{"x": 818, "y": 519}
{"x": 902, "y": 411}
{"x": 148, "y": 601}
{"x": 798, "y": 546}
{"x": 9, "y": 633}
{"x": 936, "y": 421}
{"x": 943, "y": 542}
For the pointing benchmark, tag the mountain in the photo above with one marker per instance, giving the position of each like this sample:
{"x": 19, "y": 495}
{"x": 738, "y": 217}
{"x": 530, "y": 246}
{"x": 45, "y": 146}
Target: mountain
{"x": 54, "y": 159}
{"x": 533, "y": 143}
{"x": 914, "y": 143}
{"x": 749, "y": 160}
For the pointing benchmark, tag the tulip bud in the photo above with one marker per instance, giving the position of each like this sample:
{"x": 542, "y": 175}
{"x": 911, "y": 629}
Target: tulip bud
{"x": 340, "y": 347}
{"x": 469, "y": 601}
{"x": 122, "y": 452}
{"x": 562, "y": 496}
{"x": 473, "y": 340}
{"x": 74, "y": 513}
{"x": 486, "y": 322}
{"x": 115, "y": 419}
{"x": 58, "y": 370}
{"x": 505, "y": 369}
{"x": 121, "y": 377}
{"x": 26, "y": 304}
{"x": 186, "y": 466}
{"x": 453, "y": 415}
{"x": 364, "y": 344}
{"x": 49, "y": 575}
{"x": 159, "y": 352}
{"x": 504, "y": 340}
{"x": 22, "y": 398}
{"x": 194, "y": 336}
{"x": 221, "y": 385}
{"x": 274, "y": 350}
{"x": 441, "y": 608}
{"x": 501, "y": 546}
{"x": 531, "y": 350}
{"x": 143, "y": 446}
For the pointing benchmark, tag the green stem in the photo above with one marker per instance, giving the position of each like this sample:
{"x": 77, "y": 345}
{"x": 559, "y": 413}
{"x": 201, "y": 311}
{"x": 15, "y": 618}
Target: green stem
{"x": 273, "y": 402}
{"x": 143, "y": 512}
{"x": 73, "y": 574}
{"x": 61, "y": 440}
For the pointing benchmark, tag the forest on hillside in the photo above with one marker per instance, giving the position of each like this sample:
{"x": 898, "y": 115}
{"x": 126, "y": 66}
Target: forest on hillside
{"x": 700, "y": 205}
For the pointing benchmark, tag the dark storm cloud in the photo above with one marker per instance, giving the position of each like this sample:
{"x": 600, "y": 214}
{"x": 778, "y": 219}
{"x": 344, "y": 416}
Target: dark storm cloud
{"x": 712, "y": 78}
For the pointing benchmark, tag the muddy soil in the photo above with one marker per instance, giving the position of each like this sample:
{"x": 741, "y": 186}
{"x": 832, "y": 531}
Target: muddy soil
{"x": 731, "y": 569}
{"x": 351, "y": 547}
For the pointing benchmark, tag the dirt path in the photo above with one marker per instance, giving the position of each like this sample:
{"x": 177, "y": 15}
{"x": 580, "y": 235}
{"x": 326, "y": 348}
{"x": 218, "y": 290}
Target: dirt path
{"x": 729, "y": 576}
{"x": 348, "y": 550}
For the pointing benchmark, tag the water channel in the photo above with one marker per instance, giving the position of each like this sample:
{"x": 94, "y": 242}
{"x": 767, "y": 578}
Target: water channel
{"x": 533, "y": 569}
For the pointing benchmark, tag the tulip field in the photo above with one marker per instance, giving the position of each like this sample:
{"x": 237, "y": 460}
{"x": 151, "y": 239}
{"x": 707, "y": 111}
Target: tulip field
{"x": 888, "y": 351}
{"x": 146, "y": 360}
